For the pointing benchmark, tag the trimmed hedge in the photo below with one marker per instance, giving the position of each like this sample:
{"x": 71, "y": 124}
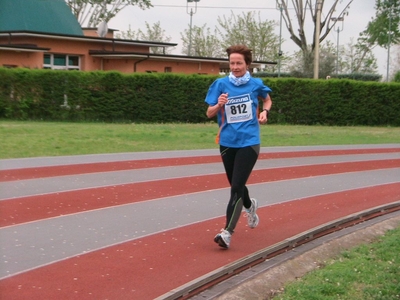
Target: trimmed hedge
{"x": 138, "y": 97}
{"x": 397, "y": 77}
{"x": 354, "y": 76}
{"x": 336, "y": 102}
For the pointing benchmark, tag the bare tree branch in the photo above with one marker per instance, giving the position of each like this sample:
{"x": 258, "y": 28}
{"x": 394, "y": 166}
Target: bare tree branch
{"x": 299, "y": 13}
{"x": 92, "y": 12}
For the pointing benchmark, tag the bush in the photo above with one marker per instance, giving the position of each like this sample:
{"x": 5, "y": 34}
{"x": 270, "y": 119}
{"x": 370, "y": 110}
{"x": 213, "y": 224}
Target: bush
{"x": 359, "y": 76}
{"x": 141, "y": 97}
{"x": 397, "y": 77}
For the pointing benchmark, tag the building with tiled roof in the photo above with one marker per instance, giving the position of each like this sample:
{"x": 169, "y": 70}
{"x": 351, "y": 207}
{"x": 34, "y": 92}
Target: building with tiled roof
{"x": 44, "y": 34}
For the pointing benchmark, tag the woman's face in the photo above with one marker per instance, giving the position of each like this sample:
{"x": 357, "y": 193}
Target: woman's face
{"x": 237, "y": 64}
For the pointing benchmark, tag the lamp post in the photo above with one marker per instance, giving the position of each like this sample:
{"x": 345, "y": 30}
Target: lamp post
{"x": 338, "y": 30}
{"x": 389, "y": 42}
{"x": 191, "y": 12}
{"x": 280, "y": 7}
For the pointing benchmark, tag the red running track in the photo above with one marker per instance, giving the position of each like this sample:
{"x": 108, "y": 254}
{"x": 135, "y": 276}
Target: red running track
{"x": 148, "y": 267}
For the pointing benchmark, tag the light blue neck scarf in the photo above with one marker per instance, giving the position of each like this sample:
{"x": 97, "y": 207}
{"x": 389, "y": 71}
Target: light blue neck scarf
{"x": 239, "y": 80}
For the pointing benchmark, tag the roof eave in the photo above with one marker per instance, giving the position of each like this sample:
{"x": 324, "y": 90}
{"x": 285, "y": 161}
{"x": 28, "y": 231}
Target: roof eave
{"x": 23, "y": 49}
{"x": 86, "y": 38}
{"x": 116, "y": 55}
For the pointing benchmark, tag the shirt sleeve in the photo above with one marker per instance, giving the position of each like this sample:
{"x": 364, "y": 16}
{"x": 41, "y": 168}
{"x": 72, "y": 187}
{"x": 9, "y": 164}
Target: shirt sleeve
{"x": 263, "y": 90}
{"x": 213, "y": 93}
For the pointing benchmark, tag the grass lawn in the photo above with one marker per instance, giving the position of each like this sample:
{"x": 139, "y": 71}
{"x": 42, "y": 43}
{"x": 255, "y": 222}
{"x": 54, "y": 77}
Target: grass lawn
{"x": 32, "y": 139}
{"x": 367, "y": 272}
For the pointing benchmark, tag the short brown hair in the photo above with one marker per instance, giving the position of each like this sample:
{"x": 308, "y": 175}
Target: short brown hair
{"x": 241, "y": 49}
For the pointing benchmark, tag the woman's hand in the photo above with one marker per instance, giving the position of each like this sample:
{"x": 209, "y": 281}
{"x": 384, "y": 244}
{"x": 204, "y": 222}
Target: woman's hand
{"x": 263, "y": 117}
{"x": 222, "y": 99}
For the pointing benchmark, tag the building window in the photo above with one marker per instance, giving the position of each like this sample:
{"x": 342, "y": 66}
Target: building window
{"x": 167, "y": 69}
{"x": 61, "y": 62}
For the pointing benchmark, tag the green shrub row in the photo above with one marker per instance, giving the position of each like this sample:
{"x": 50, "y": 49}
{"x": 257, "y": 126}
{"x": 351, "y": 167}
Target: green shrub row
{"x": 397, "y": 77}
{"x": 354, "y": 76}
{"x": 115, "y": 97}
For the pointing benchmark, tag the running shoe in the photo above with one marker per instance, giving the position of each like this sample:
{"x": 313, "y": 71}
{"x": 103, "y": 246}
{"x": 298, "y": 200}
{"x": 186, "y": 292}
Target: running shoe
{"x": 252, "y": 218}
{"x": 223, "y": 239}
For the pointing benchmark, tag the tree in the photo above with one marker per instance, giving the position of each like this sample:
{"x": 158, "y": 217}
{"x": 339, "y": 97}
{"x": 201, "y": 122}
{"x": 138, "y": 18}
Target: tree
{"x": 326, "y": 64}
{"x": 395, "y": 70}
{"x": 384, "y": 28}
{"x": 253, "y": 32}
{"x": 154, "y": 33}
{"x": 203, "y": 42}
{"x": 357, "y": 58}
{"x": 128, "y": 35}
{"x": 298, "y": 32}
{"x": 92, "y": 12}
{"x": 243, "y": 29}
{"x": 327, "y": 59}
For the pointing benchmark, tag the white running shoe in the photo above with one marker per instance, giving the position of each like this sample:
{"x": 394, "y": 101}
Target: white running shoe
{"x": 223, "y": 239}
{"x": 252, "y": 218}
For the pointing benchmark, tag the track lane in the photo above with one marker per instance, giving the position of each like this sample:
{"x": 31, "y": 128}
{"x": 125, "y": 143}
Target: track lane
{"x": 116, "y": 272}
{"x": 63, "y": 170}
{"x": 27, "y": 209}
{"x": 41, "y": 242}
{"x": 153, "y": 265}
{"x": 46, "y": 185}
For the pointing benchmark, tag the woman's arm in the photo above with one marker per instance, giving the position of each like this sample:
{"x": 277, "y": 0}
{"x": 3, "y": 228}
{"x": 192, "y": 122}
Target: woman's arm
{"x": 267, "y": 104}
{"x": 214, "y": 109}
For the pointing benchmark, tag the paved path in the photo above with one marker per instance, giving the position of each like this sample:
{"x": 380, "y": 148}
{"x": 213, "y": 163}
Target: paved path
{"x": 137, "y": 225}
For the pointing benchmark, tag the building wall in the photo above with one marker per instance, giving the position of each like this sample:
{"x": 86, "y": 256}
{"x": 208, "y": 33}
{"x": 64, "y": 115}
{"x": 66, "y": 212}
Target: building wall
{"x": 93, "y": 32}
{"x": 91, "y": 63}
{"x": 31, "y": 60}
{"x": 178, "y": 67}
{"x": 149, "y": 66}
{"x": 121, "y": 65}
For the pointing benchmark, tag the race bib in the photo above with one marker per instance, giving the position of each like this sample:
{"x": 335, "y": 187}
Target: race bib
{"x": 238, "y": 109}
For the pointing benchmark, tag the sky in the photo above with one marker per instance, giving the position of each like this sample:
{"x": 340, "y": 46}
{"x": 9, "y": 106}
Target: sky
{"x": 174, "y": 18}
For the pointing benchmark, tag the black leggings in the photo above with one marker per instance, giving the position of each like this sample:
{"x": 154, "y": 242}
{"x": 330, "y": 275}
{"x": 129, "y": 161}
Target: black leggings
{"x": 238, "y": 164}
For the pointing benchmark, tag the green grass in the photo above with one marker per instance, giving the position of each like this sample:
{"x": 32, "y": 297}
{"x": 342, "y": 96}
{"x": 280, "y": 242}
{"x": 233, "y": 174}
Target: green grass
{"x": 367, "y": 272}
{"x": 32, "y": 139}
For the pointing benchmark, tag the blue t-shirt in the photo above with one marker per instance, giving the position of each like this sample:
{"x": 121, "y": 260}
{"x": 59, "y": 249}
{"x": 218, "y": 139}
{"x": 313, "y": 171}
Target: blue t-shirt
{"x": 240, "y": 127}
